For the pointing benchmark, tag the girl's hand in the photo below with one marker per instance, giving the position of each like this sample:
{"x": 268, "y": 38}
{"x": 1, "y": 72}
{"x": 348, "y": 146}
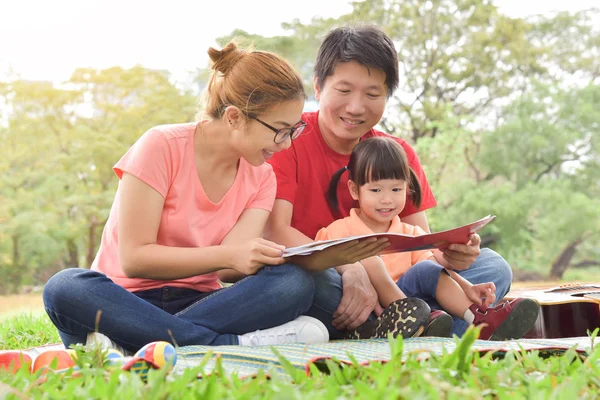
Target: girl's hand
{"x": 482, "y": 294}
{"x": 248, "y": 258}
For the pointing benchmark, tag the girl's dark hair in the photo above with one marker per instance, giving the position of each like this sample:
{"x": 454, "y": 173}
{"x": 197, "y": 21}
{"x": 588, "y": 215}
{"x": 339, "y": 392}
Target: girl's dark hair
{"x": 368, "y": 45}
{"x": 375, "y": 159}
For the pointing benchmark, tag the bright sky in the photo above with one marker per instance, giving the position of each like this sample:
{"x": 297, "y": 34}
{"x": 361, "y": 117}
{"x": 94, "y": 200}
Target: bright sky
{"x": 48, "y": 39}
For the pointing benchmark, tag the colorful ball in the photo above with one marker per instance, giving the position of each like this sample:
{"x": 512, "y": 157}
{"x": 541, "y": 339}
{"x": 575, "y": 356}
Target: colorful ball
{"x": 159, "y": 354}
{"x": 152, "y": 356}
{"x": 72, "y": 353}
{"x": 114, "y": 357}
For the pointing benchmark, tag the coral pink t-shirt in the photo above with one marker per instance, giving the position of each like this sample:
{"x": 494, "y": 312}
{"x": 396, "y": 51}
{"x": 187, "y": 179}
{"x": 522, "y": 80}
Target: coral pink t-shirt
{"x": 164, "y": 159}
{"x": 395, "y": 263}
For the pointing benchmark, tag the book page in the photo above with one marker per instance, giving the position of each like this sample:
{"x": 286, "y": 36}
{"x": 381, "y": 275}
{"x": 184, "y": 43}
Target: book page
{"x": 401, "y": 243}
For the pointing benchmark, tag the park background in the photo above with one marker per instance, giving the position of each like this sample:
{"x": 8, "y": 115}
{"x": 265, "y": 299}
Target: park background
{"x": 501, "y": 99}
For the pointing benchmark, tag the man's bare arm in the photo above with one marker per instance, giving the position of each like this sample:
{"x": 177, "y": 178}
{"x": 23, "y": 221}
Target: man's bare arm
{"x": 279, "y": 229}
{"x": 418, "y": 219}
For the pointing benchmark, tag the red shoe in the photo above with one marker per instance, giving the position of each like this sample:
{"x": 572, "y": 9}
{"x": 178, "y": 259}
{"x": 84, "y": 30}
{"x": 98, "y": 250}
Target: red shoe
{"x": 507, "y": 320}
{"x": 440, "y": 324}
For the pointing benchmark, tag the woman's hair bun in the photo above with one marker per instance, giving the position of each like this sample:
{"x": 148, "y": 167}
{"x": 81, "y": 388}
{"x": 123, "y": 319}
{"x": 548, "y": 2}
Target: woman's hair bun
{"x": 224, "y": 60}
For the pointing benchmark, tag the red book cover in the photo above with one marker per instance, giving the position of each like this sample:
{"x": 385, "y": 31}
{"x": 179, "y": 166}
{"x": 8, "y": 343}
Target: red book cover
{"x": 400, "y": 243}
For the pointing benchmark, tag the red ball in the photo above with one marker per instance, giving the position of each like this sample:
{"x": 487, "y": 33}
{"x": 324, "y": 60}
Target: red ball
{"x": 13, "y": 360}
{"x": 45, "y": 359}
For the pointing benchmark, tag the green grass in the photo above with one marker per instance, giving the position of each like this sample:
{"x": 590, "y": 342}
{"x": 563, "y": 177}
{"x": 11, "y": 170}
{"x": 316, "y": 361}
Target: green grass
{"x": 462, "y": 375}
{"x": 27, "y": 330}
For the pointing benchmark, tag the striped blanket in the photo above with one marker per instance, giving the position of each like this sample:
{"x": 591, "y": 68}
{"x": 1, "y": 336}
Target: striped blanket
{"x": 247, "y": 361}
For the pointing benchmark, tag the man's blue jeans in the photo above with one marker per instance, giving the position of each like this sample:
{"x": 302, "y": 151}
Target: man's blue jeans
{"x": 489, "y": 267}
{"x": 74, "y": 297}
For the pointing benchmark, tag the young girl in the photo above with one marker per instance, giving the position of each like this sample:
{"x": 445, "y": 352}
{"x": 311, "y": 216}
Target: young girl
{"x": 382, "y": 182}
{"x": 191, "y": 205}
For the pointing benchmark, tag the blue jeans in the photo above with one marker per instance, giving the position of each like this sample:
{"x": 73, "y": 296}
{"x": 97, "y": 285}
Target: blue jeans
{"x": 74, "y": 297}
{"x": 421, "y": 280}
{"x": 489, "y": 267}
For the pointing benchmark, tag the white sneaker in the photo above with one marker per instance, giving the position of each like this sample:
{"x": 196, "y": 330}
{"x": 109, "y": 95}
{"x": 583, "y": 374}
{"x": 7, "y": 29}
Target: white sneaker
{"x": 301, "y": 330}
{"x": 99, "y": 340}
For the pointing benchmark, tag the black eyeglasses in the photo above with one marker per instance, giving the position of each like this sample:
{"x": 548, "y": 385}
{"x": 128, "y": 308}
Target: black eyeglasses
{"x": 281, "y": 135}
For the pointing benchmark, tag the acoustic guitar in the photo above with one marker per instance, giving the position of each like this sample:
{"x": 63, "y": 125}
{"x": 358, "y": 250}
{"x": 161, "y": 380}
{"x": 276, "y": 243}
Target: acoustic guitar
{"x": 568, "y": 310}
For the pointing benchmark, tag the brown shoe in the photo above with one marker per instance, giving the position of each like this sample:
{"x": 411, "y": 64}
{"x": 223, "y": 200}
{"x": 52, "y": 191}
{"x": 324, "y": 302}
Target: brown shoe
{"x": 406, "y": 317}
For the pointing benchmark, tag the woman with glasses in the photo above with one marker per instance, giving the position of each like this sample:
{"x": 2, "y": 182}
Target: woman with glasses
{"x": 190, "y": 209}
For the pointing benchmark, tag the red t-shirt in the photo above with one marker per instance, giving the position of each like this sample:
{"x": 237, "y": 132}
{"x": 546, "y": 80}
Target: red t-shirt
{"x": 304, "y": 171}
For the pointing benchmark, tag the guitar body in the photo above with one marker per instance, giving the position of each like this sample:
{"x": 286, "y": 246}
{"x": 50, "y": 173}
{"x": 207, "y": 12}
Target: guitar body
{"x": 568, "y": 310}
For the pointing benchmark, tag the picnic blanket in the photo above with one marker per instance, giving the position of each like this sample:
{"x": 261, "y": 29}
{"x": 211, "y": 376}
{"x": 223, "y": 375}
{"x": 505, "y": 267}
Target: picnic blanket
{"x": 247, "y": 361}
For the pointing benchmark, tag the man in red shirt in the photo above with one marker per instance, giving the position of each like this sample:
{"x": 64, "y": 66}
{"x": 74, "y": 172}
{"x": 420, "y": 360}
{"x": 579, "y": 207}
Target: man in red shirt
{"x": 355, "y": 73}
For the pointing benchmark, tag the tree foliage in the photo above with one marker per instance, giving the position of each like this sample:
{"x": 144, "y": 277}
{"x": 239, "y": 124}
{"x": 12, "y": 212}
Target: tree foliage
{"x": 504, "y": 113}
{"x": 59, "y": 146}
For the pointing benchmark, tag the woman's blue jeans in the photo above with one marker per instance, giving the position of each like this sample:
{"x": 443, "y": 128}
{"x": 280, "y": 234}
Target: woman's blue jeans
{"x": 80, "y": 301}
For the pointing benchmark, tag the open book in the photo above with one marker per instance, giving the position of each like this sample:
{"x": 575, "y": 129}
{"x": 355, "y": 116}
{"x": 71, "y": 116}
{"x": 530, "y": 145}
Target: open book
{"x": 400, "y": 243}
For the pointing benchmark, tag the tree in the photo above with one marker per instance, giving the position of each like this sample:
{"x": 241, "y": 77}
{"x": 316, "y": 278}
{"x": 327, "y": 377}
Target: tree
{"x": 57, "y": 182}
{"x": 548, "y": 148}
{"x": 38, "y": 119}
{"x": 299, "y": 51}
{"x": 574, "y": 40}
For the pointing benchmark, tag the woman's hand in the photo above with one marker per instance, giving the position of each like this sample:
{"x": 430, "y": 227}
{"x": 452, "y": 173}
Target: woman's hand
{"x": 249, "y": 257}
{"x": 341, "y": 254}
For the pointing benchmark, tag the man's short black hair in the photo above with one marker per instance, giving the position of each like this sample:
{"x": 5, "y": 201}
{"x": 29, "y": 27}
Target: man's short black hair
{"x": 368, "y": 45}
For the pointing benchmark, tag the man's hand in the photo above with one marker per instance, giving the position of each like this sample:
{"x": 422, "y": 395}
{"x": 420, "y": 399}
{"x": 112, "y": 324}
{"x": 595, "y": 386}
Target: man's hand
{"x": 359, "y": 299}
{"x": 461, "y": 256}
{"x": 341, "y": 254}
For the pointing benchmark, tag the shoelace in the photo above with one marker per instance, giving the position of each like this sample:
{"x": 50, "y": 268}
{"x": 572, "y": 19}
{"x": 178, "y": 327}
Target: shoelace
{"x": 484, "y": 309}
